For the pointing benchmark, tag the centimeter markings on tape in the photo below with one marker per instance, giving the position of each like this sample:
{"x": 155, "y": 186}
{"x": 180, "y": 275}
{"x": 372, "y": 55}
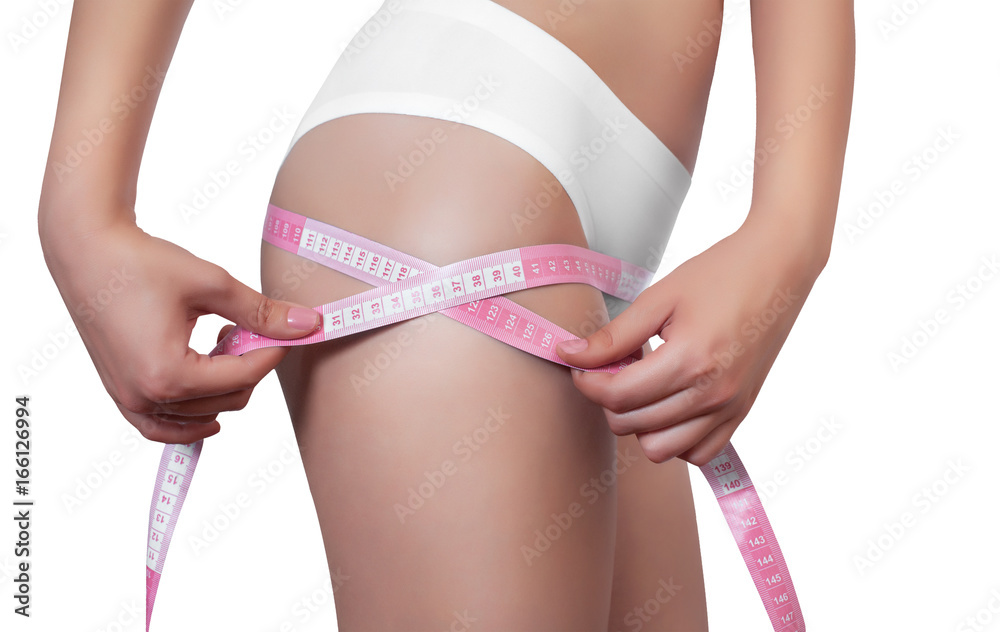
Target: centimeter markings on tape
{"x": 411, "y": 287}
{"x": 173, "y": 478}
{"x": 469, "y": 291}
{"x": 756, "y": 541}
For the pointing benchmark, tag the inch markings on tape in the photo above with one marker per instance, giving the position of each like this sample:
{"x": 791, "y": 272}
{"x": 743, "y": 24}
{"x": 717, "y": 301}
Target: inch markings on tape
{"x": 469, "y": 291}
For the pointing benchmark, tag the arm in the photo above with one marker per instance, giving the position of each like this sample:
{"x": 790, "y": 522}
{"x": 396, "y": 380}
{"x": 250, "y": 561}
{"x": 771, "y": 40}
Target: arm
{"x": 86, "y": 222}
{"x": 111, "y": 44}
{"x": 724, "y": 314}
{"x": 804, "y": 62}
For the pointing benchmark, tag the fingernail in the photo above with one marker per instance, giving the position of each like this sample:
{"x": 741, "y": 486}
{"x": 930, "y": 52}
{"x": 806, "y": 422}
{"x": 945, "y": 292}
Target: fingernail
{"x": 303, "y": 318}
{"x": 572, "y": 346}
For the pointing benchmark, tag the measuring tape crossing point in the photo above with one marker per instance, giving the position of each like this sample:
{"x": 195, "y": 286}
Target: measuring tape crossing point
{"x": 470, "y": 292}
{"x": 407, "y": 287}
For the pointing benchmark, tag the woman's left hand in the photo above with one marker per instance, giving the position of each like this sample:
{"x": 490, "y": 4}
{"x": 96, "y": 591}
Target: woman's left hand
{"x": 723, "y": 315}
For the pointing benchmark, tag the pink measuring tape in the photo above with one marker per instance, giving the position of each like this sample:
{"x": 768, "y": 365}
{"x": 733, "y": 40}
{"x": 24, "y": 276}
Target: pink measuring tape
{"x": 469, "y": 292}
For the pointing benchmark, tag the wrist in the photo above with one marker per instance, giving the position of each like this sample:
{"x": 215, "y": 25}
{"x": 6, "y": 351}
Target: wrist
{"x": 68, "y": 214}
{"x": 797, "y": 242}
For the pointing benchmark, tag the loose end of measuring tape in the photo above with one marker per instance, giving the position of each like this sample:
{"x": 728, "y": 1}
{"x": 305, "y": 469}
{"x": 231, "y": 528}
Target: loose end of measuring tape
{"x": 756, "y": 541}
{"x": 173, "y": 479}
{"x": 239, "y": 341}
{"x": 152, "y": 584}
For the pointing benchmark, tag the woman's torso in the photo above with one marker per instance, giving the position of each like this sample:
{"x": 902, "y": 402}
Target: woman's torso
{"x": 658, "y": 56}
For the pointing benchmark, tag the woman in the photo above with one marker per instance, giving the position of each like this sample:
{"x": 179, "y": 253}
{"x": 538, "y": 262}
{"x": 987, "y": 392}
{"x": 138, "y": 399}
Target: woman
{"x": 444, "y": 167}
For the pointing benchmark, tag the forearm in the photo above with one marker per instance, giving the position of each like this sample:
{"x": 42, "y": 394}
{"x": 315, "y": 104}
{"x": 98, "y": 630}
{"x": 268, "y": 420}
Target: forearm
{"x": 804, "y": 60}
{"x": 116, "y": 56}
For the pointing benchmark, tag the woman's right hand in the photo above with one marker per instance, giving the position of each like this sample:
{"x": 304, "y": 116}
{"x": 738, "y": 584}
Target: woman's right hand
{"x": 135, "y": 299}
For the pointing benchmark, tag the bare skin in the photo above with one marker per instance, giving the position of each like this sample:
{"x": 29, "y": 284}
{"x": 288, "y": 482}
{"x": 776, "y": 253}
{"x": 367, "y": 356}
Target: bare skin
{"x": 399, "y": 427}
{"x": 365, "y": 447}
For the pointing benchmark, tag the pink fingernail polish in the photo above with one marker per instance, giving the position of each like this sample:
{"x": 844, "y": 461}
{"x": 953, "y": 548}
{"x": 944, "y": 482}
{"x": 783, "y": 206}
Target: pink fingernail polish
{"x": 303, "y": 318}
{"x": 573, "y": 346}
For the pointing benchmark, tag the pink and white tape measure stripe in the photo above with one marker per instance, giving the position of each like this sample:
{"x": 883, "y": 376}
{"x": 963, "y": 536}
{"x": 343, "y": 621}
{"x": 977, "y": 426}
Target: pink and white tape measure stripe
{"x": 468, "y": 291}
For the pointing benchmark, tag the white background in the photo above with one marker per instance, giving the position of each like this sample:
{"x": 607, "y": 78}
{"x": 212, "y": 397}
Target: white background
{"x": 900, "y": 426}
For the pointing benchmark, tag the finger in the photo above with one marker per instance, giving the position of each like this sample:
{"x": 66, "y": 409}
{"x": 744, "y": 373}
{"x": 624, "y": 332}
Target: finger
{"x": 662, "y": 413}
{"x": 198, "y": 376}
{"x": 222, "y": 332}
{"x": 183, "y": 419}
{"x": 657, "y": 376}
{"x": 638, "y": 323}
{"x": 223, "y": 374}
{"x": 255, "y": 312}
{"x": 201, "y": 407}
{"x": 713, "y": 443}
{"x": 169, "y": 431}
{"x": 667, "y": 443}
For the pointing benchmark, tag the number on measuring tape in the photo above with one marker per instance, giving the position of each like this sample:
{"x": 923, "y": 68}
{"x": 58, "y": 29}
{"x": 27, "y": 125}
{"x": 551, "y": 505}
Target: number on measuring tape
{"x": 333, "y": 321}
{"x": 333, "y": 250}
{"x": 493, "y": 312}
{"x": 482, "y": 278}
{"x": 413, "y": 298}
{"x": 433, "y": 293}
{"x": 474, "y": 281}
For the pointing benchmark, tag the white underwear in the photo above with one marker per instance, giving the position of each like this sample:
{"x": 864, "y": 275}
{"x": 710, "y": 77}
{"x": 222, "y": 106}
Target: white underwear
{"x": 477, "y": 63}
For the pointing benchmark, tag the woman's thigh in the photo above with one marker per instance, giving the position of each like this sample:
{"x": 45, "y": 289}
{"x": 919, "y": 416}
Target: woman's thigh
{"x": 452, "y": 474}
{"x": 658, "y": 580}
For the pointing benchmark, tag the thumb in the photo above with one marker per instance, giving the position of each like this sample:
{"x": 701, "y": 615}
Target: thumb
{"x": 619, "y": 338}
{"x": 224, "y": 332}
{"x": 260, "y": 314}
